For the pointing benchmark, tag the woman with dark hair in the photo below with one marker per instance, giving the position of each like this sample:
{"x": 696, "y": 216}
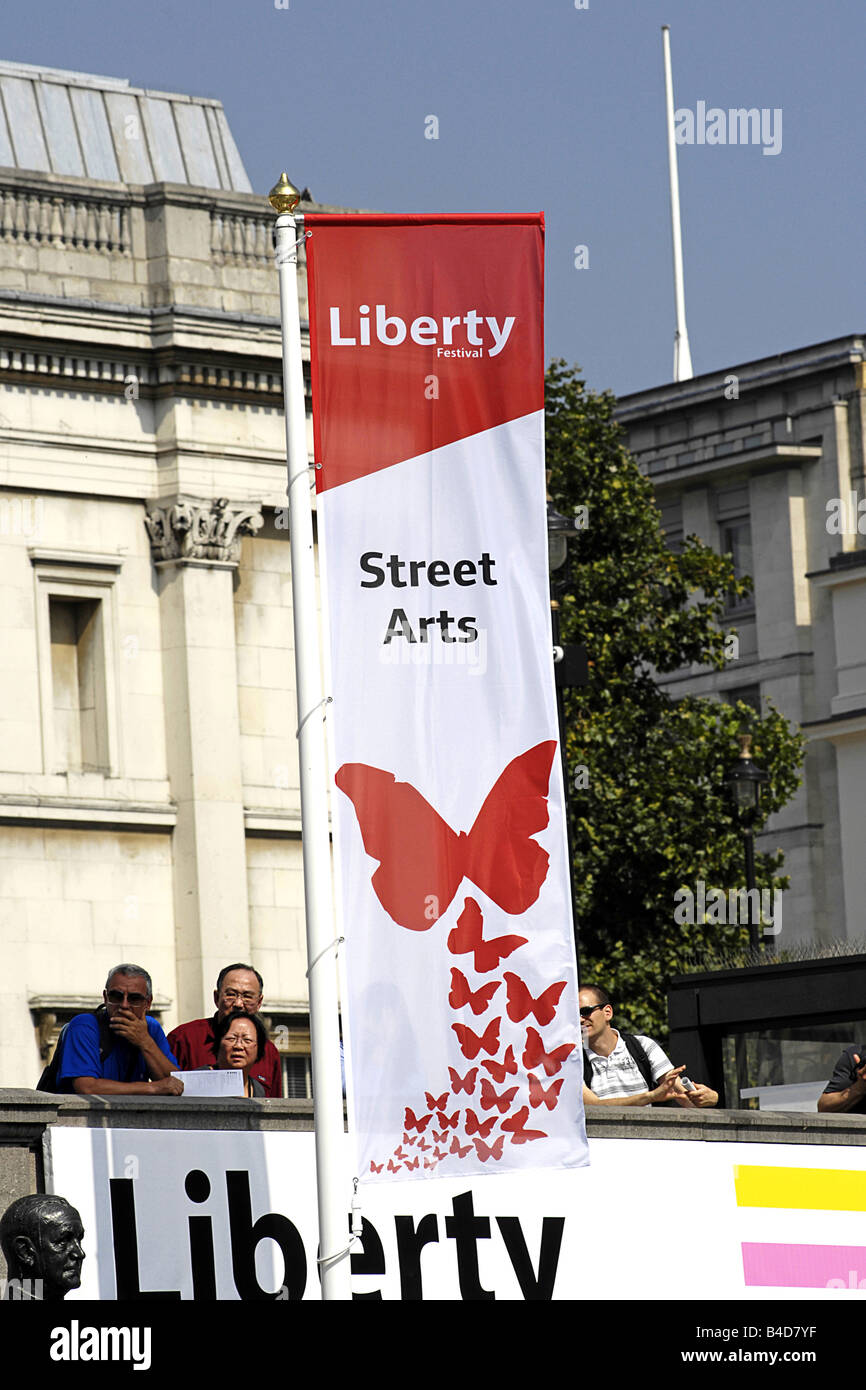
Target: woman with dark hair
{"x": 239, "y": 1041}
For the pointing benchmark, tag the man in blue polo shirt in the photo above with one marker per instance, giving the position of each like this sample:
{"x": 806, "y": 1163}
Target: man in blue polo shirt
{"x": 125, "y": 1052}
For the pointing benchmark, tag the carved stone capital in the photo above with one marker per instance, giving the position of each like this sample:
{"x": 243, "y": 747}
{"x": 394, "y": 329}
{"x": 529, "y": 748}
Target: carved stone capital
{"x": 201, "y": 530}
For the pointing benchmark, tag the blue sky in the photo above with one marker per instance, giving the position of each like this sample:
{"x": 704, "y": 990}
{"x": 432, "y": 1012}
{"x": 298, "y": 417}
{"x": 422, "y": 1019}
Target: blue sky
{"x": 542, "y": 105}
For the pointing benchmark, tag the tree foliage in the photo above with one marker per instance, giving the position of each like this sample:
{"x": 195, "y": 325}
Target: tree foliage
{"x": 654, "y": 815}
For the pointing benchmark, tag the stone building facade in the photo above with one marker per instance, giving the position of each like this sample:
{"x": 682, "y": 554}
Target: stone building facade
{"x": 767, "y": 461}
{"x": 149, "y": 798}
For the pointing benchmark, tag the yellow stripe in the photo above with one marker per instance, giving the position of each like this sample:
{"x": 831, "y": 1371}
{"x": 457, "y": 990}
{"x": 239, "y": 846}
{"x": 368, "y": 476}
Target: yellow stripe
{"x": 813, "y": 1189}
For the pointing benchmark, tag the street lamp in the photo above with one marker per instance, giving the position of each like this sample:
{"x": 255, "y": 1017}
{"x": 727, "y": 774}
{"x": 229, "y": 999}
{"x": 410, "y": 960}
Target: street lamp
{"x": 743, "y": 781}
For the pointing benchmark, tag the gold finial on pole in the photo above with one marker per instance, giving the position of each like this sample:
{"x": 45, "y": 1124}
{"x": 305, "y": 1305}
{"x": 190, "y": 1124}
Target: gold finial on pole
{"x": 284, "y": 197}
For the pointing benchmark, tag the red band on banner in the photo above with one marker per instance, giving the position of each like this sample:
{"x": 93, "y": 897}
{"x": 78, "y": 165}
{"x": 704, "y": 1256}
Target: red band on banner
{"x": 405, "y": 360}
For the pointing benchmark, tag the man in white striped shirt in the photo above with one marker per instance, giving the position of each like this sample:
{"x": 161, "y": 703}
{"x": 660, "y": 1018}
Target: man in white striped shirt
{"x": 625, "y": 1069}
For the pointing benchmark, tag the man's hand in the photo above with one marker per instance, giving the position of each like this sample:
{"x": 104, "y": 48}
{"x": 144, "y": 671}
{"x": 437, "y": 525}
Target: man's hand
{"x": 667, "y": 1087}
{"x": 128, "y": 1026}
{"x": 702, "y": 1096}
{"x": 168, "y": 1086}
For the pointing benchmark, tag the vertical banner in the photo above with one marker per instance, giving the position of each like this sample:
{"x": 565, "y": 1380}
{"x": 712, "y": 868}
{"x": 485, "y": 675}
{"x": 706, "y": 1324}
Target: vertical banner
{"x": 426, "y": 341}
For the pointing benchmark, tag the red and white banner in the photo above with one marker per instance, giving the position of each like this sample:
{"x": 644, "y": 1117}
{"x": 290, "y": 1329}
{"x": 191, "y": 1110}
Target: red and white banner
{"x": 428, "y": 410}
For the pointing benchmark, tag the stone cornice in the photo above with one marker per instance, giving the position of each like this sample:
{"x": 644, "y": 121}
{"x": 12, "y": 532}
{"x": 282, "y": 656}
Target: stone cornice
{"x": 196, "y": 530}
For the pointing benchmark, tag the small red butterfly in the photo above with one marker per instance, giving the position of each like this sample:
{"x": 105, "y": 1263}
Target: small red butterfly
{"x": 392, "y": 1166}
{"x": 376, "y": 1167}
{"x": 438, "y": 1154}
{"x": 460, "y": 1150}
{"x": 448, "y": 1121}
{"x": 409, "y": 1138}
{"x": 494, "y": 1151}
{"x": 519, "y": 1135}
{"x": 436, "y": 1102}
{"x": 521, "y": 1002}
{"x": 536, "y": 1054}
{"x": 471, "y": 1044}
{"x": 489, "y": 1098}
{"x": 539, "y": 1096}
{"x": 431, "y": 1162}
{"x": 461, "y": 995}
{"x": 413, "y": 1164}
{"x": 499, "y": 1070}
{"x": 410, "y": 1122}
{"x": 463, "y": 1083}
{"x": 422, "y": 1144}
{"x": 398, "y": 1153}
{"x": 437, "y": 1137}
{"x": 421, "y": 856}
{"x": 467, "y": 936}
{"x": 474, "y": 1125}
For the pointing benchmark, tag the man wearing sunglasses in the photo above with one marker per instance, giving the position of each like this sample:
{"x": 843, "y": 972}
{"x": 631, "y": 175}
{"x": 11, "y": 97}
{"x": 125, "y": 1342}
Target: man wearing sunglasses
{"x": 620, "y": 1069}
{"x": 119, "y": 1050}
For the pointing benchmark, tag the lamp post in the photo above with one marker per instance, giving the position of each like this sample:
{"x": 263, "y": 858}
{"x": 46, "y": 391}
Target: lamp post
{"x": 743, "y": 781}
{"x": 569, "y": 666}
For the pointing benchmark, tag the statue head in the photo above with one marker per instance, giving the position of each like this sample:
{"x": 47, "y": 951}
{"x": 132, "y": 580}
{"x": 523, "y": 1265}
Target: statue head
{"x": 41, "y": 1239}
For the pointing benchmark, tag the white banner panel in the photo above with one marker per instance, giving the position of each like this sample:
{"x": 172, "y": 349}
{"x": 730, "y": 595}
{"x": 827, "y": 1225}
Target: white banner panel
{"x": 191, "y": 1215}
{"x": 427, "y": 364}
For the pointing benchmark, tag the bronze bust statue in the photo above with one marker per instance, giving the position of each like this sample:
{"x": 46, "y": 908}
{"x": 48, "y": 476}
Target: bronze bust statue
{"x": 41, "y": 1238}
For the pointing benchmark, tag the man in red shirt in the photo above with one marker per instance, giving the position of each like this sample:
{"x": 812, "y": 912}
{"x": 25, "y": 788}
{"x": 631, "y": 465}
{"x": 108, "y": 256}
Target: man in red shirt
{"x": 238, "y": 987}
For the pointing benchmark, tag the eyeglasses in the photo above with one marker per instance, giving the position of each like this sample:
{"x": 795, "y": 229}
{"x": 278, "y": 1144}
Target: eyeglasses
{"x": 590, "y": 1009}
{"x": 247, "y": 997}
{"x": 117, "y": 996}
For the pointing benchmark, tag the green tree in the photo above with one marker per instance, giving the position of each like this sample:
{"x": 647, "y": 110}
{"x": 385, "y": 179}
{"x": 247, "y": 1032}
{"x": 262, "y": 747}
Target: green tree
{"x": 653, "y": 816}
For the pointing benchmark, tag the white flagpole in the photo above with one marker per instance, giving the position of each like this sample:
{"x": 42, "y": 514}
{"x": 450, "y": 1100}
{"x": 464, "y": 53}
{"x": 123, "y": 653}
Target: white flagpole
{"x": 331, "y": 1177}
{"x": 682, "y": 356}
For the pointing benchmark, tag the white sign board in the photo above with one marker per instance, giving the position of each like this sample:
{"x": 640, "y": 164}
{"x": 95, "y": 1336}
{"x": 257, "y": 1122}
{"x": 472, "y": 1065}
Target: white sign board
{"x": 189, "y": 1214}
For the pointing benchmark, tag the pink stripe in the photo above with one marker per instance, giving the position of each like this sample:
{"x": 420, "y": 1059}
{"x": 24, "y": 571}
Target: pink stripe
{"x": 805, "y": 1266}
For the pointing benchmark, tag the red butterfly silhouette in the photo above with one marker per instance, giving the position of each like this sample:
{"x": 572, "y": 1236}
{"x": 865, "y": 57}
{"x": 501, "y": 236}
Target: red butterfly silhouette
{"x": 376, "y": 1167}
{"x": 536, "y": 1054}
{"x": 422, "y": 1144}
{"x": 438, "y": 1154}
{"x": 420, "y": 855}
{"x": 467, "y": 936}
{"x": 409, "y": 1138}
{"x": 410, "y": 1122}
{"x": 494, "y": 1151}
{"x": 440, "y": 1138}
{"x": 499, "y": 1070}
{"x": 398, "y": 1153}
{"x": 431, "y": 1162}
{"x": 434, "y": 1102}
{"x": 538, "y": 1095}
{"x": 392, "y": 1166}
{"x": 474, "y": 1125}
{"x": 459, "y": 1149}
{"x": 448, "y": 1121}
{"x": 463, "y": 1083}
{"x": 461, "y": 994}
{"x": 471, "y": 1044}
{"x": 413, "y": 1164}
{"x": 519, "y": 1135}
{"x": 489, "y": 1098}
{"x": 521, "y": 1002}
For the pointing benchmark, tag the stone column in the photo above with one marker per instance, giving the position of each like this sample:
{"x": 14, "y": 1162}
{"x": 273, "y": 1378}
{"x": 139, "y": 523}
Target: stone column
{"x": 196, "y": 547}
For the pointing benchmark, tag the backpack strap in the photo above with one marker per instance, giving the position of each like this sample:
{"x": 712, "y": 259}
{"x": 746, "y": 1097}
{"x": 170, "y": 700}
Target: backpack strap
{"x": 638, "y": 1055}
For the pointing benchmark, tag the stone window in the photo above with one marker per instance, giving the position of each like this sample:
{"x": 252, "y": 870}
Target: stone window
{"x": 75, "y": 624}
{"x": 290, "y": 1034}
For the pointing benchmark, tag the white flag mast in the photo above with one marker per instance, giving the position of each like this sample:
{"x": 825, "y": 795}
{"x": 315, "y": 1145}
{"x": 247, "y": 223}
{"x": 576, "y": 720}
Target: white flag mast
{"x": 682, "y": 356}
{"x": 331, "y": 1177}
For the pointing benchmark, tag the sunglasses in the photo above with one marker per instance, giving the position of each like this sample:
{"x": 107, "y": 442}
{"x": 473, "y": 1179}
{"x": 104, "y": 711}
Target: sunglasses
{"x": 590, "y": 1009}
{"x": 117, "y": 996}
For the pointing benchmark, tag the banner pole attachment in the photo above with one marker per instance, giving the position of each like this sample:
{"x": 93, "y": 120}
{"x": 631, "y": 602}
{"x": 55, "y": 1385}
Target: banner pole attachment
{"x": 333, "y": 1204}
